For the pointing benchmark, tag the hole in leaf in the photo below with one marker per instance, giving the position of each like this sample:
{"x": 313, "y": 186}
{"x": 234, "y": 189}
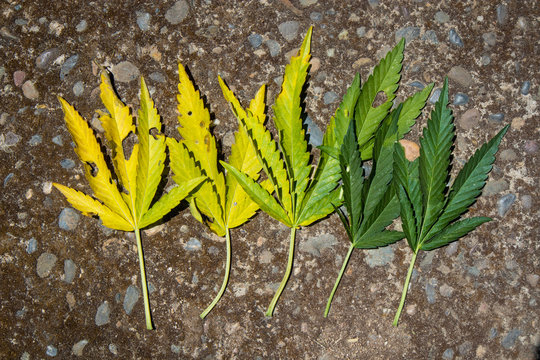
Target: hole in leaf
{"x": 380, "y": 99}
{"x": 201, "y": 124}
{"x": 93, "y": 168}
{"x": 190, "y": 113}
{"x": 128, "y": 143}
{"x": 154, "y": 132}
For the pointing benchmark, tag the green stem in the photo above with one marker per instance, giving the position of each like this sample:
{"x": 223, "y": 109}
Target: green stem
{"x": 225, "y": 279}
{"x": 275, "y": 299}
{"x": 147, "y": 313}
{"x": 405, "y": 288}
{"x": 341, "y": 272}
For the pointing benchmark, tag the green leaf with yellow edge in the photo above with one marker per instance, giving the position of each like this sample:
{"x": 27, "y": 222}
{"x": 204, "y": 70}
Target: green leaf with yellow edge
{"x": 139, "y": 175}
{"x": 288, "y": 119}
{"x": 288, "y": 166}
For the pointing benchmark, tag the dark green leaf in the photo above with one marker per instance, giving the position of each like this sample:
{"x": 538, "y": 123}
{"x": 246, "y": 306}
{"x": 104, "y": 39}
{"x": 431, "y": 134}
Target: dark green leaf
{"x": 453, "y": 232}
{"x": 375, "y": 240}
{"x": 435, "y": 150}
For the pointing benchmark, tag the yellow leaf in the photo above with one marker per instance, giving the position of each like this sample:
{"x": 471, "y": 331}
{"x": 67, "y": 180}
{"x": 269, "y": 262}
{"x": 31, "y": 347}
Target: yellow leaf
{"x": 239, "y": 206}
{"x": 90, "y": 207}
{"x": 198, "y": 145}
{"x": 96, "y": 170}
{"x": 118, "y": 124}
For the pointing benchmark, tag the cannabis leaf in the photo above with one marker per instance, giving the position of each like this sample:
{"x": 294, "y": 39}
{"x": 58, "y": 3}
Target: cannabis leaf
{"x": 429, "y": 209}
{"x": 127, "y": 204}
{"x": 371, "y": 203}
{"x": 220, "y": 202}
{"x": 299, "y": 198}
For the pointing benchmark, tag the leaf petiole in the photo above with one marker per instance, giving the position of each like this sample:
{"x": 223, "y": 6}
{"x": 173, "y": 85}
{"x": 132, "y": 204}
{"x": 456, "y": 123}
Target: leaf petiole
{"x": 341, "y": 272}
{"x": 225, "y": 278}
{"x": 147, "y": 313}
{"x": 405, "y": 289}
{"x": 275, "y": 299}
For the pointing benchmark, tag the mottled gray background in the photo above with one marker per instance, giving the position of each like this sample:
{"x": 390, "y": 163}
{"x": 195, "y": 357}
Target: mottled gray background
{"x": 70, "y": 288}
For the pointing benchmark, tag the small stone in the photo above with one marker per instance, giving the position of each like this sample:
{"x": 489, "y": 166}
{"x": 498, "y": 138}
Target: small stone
{"x": 441, "y": 17}
{"x": 485, "y": 60}
{"x": 461, "y": 99}
{"x": 502, "y": 14}
{"x": 289, "y": 29}
{"x": 373, "y": 3}
{"x": 35, "y": 140}
{"x": 344, "y": 35}
{"x": 18, "y": 77}
{"x": 492, "y": 333}
{"x": 470, "y": 119}
{"x": 58, "y": 140}
{"x": 45, "y": 264}
{"x": 509, "y": 340}
{"x": 131, "y": 298}
{"x": 379, "y": 257}
{"x": 25, "y": 356}
{"x": 67, "y": 163}
{"x": 430, "y": 36}
{"x": 361, "y": 62}
{"x": 157, "y": 77}
{"x": 30, "y": 91}
{"x": 193, "y": 245}
{"x": 52, "y": 351}
{"x": 70, "y": 269}
{"x": 46, "y": 58}
{"x": 7, "y": 178}
{"x": 102, "y": 314}
{"x": 113, "y": 349}
{"x": 451, "y": 249}
{"x": 526, "y": 202}
{"x": 465, "y": 348}
{"x": 177, "y": 13}
{"x": 490, "y": 38}
{"x": 461, "y": 76}
{"x": 125, "y": 71}
{"x": 70, "y": 298}
{"x": 448, "y": 354}
{"x": 31, "y": 247}
{"x": 67, "y": 66}
{"x": 532, "y": 279}
{"x": 78, "y": 347}
{"x": 504, "y": 203}
{"x": 531, "y": 147}
{"x": 409, "y": 33}
{"x": 273, "y": 47}
{"x": 255, "y": 40}
{"x": 316, "y": 244}
{"x": 330, "y": 97}
{"x": 508, "y": 155}
{"x": 430, "y": 290}
{"x": 175, "y": 349}
{"x": 454, "y": 38}
{"x": 306, "y": 3}
{"x": 446, "y": 290}
{"x": 417, "y": 84}
{"x": 81, "y": 26}
{"x": 494, "y": 187}
{"x": 412, "y": 150}
{"x": 522, "y": 23}
{"x": 266, "y": 257}
{"x": 435, "y": 95}
{"x": 497, "y": 118}
{"x": 78, "y": 88}
{"x": 143, "y": 20}
{"x": 316, "y": 16}
{"x": 314, "y": 132}
{"x": 68, "y": 219}
{"x": 525, "y": 88}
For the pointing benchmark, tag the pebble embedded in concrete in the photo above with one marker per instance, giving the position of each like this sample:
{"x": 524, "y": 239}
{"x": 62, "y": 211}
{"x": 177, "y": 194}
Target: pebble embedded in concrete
{"x": 70, "y": 270}
{"x": 45, "y": 264}
{"x": 68, "y": 219}
{"x": 289, "y": 29}
{"x": 193, "y": 245}
{"x": 103, "y": 314}
{"x": 131, "y": 298}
